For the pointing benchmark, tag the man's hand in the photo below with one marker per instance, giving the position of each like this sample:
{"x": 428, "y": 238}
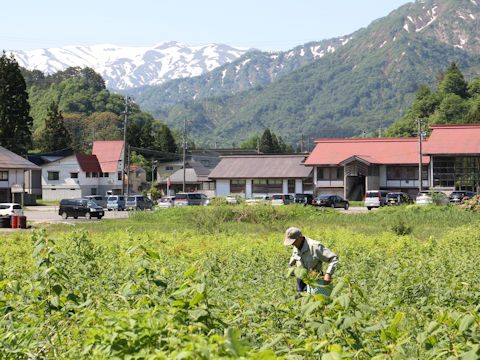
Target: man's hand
{"x": 327, "y": 279}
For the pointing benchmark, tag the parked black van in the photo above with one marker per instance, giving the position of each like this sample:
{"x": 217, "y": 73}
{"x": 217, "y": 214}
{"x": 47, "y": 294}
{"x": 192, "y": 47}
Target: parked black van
{"x": 79, "y": 207}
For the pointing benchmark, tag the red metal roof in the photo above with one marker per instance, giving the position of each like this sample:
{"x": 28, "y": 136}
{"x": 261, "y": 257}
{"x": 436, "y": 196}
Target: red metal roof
{"x": 88, "y": 163}
{"x": 371, "y": 150}
{"x": 108, "y": 154}
{"x": 453, "y": 139}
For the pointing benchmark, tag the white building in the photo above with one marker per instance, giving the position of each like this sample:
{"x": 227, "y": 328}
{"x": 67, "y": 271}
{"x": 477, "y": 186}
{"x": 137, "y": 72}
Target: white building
{"x": 12, "y": 176}
{"x": 80, "y": 175}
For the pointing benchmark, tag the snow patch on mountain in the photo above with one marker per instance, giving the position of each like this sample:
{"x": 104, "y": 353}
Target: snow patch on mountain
{"x": 124, "y": 67}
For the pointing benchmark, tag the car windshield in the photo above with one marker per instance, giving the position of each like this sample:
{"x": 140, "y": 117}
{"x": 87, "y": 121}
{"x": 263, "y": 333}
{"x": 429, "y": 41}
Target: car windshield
{"x": 277, "y": 197}
{"x": 323, "y": 197}
{"x": 17, "y": 207}
{"x": 131, "y": 198}
{"x": 112, "y": 198}
{"x": 91, "y": 203}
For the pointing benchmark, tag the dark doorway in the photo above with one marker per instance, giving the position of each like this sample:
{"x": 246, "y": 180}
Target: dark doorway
{"x": 355, "y": 187}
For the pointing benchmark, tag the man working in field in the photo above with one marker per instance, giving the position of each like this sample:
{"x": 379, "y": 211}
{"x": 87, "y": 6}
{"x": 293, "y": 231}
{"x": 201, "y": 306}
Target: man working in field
{"x": 309, "y": 254}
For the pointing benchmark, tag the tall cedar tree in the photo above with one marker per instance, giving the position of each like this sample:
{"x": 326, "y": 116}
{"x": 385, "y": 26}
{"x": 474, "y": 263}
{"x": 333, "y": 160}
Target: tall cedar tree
{"x": 165, "y": 141}
{"x": 54, "y": 136}
{"x": 15, "y": 121}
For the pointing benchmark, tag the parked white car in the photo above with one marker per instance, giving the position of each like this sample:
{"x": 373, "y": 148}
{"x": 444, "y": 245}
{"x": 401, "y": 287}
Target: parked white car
{"x": 166, "y": 202}
{"x": 432, "y": 197}
{"x": 9, "y": 209}
{"x": 232, "y": 199}
{"x": 282, "y": 199}
{"x": 258, "y": 200}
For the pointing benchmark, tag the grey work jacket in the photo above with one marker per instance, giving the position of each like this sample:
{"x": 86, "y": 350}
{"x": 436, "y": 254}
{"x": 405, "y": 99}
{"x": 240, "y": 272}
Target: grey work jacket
{"x": 312, "y": 255}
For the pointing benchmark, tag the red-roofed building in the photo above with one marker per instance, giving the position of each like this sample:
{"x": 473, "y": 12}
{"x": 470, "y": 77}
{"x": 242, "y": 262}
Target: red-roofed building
{"x": 109, "y": 155}
{"x": 454, "y": 151}
{"x": 349, "y": 167}
{"x": 80, "y": 175}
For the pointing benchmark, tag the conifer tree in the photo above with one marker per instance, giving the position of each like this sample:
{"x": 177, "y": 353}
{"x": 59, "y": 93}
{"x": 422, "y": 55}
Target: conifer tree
{"x": 453, "y": 82}
{"x": 165, "y": 141}
{"x": 54, "y": 136}
{"x": 15, "y": 121}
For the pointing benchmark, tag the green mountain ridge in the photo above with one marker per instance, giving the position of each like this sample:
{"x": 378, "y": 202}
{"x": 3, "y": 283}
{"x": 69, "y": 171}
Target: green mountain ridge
{"x": 364, "y": 86}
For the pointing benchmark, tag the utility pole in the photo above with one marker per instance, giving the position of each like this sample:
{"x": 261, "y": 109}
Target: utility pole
{"x": 184, "y": 149}
{"x": 301, "y": 144}
{"x": 128, "y": 171}
{"x": 258, "y": 146}
{"x": 125, "y": 122}
{"x": 154, "y": 166}
{"x": 419, "y": 125}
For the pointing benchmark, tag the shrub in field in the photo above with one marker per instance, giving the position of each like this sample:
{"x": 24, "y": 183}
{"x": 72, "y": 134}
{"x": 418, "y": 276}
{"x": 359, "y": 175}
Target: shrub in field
{"x": 401, "y": 228}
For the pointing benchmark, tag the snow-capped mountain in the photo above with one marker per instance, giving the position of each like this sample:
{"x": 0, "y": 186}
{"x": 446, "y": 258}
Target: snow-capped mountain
{"x": 126, "y": 67}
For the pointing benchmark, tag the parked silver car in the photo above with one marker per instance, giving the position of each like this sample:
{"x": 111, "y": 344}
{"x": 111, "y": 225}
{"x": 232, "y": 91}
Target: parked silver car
{"x": 98, "y": 199}
{"x": 138, "y": 202}
{"x": 191, "y": 198}
{"x": 432, "y": 197}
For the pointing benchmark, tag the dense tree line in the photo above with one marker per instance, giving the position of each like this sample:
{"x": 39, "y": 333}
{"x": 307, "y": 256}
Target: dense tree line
{"x": 67, "y": 111}
{"x": 268, "y": 143}
{"x": 15, "y": 120}
{"x": 453, "y": 102}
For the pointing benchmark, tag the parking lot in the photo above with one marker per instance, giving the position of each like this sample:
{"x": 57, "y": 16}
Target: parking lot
{"x": 37, "y": 215}
{"x": 49, "y": 215}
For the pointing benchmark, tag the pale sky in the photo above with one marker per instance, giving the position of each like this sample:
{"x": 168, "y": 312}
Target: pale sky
{"x": 262, "y": 24}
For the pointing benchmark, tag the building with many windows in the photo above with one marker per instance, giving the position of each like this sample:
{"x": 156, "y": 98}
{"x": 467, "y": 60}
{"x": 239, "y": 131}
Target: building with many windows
{"x": 454, "y": 151}
{"x": 349, "y": 167}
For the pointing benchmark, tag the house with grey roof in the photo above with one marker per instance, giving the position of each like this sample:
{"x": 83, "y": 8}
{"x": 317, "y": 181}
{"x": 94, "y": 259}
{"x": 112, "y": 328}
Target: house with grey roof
{"x": 12, "y": 176}
{"x": 253, "y": 175}
{"x": 196, "y": 179}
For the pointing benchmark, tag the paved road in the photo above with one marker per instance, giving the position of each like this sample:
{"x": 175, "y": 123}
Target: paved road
{"x": 49, "y": 214}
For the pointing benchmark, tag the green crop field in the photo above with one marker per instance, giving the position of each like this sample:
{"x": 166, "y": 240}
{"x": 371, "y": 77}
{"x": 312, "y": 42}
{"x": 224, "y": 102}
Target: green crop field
{"x": 212, "y": 283}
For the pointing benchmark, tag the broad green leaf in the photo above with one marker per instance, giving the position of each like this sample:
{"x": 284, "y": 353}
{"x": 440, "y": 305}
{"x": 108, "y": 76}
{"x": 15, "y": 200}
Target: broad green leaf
{"x": 57, "y": 289}
{"x": 466, "y": 322}
{"x": 190, "y": 271}
{"x": 309, "y": 307}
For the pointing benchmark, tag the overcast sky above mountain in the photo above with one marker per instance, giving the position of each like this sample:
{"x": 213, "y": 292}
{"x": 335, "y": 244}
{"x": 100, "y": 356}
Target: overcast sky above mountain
{"x": 265, "y": 24}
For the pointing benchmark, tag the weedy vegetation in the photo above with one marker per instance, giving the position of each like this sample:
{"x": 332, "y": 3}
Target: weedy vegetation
{"x": 212, "y": 283}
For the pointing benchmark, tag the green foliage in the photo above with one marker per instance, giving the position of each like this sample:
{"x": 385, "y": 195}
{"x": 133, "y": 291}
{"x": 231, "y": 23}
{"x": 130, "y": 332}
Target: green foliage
{"x": 92, "y": 112}
{"x": 53, "y": 136}
{"x": 15, "y": 121}
{"x": 453, "y": 102}
{"x": 159, "y": 286}
{"x": 154, "y": 192}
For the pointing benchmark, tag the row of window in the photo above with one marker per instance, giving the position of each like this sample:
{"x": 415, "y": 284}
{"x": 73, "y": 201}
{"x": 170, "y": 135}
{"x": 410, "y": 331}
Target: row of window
{"x": 393, "y": 173}
{"x": 55, "y": 175}
{"x": 262, "y": 185}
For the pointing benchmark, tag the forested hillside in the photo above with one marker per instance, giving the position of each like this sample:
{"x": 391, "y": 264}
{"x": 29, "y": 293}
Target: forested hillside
{"x": 454, "y": 101}
{"x": 365, "y": 86}
{"x": 89, "y": 111}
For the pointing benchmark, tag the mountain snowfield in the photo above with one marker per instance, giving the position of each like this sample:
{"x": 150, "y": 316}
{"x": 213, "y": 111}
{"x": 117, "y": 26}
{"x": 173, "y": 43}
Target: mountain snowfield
{"x": 128, "y": 67}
